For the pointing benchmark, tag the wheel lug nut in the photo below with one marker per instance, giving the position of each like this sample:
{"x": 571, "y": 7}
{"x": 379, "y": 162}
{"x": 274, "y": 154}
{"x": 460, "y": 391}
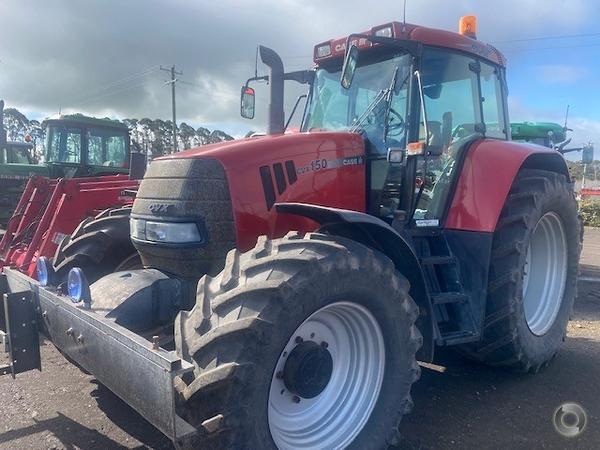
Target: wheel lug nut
{"x": 296, "y": 399}
{"x": 299, "y": 340}
{"x": 279, "y": 374}
{"x": 324, "y": 344}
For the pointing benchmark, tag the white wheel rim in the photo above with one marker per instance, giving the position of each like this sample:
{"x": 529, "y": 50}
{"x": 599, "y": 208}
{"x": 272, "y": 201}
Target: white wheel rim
{"x": 336, "y": 416}
{"x": 545, "y": 273}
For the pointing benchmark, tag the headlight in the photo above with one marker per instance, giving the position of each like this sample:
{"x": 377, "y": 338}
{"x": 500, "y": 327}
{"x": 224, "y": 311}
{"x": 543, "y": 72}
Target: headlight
{"x": 43, "y": 269}
{"x": 167, "y": 232}
{"x": 323, "y": 50}
{"x": 137, "y": 229}
{"x": 386, "y": 31}
{"x": 77, "y": 286}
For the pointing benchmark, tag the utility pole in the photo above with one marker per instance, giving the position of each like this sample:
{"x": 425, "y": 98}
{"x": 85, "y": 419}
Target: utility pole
{"x": 172, "y": 81}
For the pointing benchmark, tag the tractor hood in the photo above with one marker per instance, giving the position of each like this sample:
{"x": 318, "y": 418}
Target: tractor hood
{"x": 230, "y": 189}
{"x": 242, "y": 153}
{"x": 21, "y": 171}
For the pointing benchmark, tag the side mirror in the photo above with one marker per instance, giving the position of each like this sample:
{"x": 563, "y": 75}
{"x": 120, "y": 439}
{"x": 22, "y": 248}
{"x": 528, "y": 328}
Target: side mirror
{"x": 247, "y": 103}
{"x": 587, "y": 154}
{"x": 349, "y": 66}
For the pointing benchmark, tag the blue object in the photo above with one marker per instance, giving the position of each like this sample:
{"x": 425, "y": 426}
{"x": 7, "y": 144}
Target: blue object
{"x": 42, "y": 270}
{"x": 76, "y": 285}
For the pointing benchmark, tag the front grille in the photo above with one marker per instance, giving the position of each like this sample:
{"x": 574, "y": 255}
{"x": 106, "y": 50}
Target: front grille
{"x": 182, "y": 190}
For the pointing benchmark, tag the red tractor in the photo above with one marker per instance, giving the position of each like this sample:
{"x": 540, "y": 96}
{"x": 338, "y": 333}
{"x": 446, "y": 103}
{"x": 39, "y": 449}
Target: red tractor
{"x": 292, "y": 281}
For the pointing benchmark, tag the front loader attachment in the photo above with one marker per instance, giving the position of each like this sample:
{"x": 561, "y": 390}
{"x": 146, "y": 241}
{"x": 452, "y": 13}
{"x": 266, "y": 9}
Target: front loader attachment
{"x": 49, "y": 210}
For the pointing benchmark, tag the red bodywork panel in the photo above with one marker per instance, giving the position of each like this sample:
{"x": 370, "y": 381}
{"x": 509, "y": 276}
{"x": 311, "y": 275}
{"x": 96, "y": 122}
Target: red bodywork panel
{"x": 488, "y": 172}
{"x": 428, "y": 36}
{"x": 51, "y": 209}
{"x": 329, "y": 168}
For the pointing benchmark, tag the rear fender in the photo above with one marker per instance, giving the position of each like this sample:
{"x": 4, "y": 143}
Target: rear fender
{"x": 378, "y": 235}
{"x": 487, "y": 175}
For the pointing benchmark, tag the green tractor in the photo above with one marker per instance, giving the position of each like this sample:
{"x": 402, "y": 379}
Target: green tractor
{"x": 551, "y": 135}
{"x": 547, "y": 134}
{"x": 76, "y": 146}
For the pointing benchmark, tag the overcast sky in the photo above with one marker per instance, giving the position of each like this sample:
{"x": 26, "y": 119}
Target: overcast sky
{"x": 102, "y": 57}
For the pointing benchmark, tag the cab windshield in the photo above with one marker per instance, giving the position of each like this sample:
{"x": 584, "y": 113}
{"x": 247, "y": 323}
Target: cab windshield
{"x": 375, "y": 103}
{"x": 105, "y": 146}
{"x": 63, "y": 144}
{"x": 18, "y": 155}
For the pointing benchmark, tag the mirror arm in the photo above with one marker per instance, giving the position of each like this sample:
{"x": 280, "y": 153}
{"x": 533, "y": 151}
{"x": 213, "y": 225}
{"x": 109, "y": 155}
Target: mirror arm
{"x": 261, "y": 78}
{"x": 300, "y": 76}
{"x": 569, "y": 150}
{"x": 300, "y": 97}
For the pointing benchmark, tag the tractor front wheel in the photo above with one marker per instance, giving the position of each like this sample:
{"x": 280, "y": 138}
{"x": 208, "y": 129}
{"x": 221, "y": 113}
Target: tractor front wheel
{"x": 533, "y": 274}
{"x": 303, "y": 342}
{"x": 99, "y": 246}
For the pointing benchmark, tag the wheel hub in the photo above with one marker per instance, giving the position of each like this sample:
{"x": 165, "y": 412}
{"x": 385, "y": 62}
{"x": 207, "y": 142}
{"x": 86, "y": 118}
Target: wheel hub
{"x": 308, "y": 369}
{"x": 327, "y": 379}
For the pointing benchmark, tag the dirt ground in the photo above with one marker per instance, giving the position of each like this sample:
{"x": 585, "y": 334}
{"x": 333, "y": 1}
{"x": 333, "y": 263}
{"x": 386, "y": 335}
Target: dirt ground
{"x": 460, "y": 405}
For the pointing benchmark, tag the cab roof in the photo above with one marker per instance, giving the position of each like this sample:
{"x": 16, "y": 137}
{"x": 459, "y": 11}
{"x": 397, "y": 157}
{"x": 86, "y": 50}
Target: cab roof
{"x": 418, "y": 33}
{"x": 80, "y": 119}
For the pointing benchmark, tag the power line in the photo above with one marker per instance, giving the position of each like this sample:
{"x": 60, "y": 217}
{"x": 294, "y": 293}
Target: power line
{"x": 121, "y": 82}
{"x": 544, "y": 38}
{"x": 139, "y": 83}
{"x": 190, "y": 84}
{"x": 563, "y": 47}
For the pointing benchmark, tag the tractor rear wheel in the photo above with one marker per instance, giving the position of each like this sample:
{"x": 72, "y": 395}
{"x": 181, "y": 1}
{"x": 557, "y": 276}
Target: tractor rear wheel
{"x": 303, "y": 342}
{"x": 533, "y": 274}
{"x": 99, "y": 246}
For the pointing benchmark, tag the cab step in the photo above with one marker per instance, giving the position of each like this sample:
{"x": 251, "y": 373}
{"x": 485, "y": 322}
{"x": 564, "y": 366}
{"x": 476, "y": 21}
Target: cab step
{"x": 458, "y": 337}
{"x": 444, "y": 298}
{"x": 438, "y": 260}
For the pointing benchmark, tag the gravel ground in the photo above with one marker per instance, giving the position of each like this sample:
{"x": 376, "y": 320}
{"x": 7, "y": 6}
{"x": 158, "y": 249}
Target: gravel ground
{"x": 458, "y": 404}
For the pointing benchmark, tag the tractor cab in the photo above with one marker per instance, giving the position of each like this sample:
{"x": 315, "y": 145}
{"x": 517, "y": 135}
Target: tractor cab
{"x": 77, "y": 145}
{"x": 409, "y": 91}
{"x": 409, "y": 98}
{"x": 17, "y": 153}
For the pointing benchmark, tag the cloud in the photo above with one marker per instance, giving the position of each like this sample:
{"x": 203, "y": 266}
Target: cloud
{"x": 103, "y": 56}
{"x": 562, "y": 73}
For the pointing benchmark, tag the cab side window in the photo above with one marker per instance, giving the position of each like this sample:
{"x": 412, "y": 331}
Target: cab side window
{"x": 492, "y": 104}
{"x": 107, "y": 149}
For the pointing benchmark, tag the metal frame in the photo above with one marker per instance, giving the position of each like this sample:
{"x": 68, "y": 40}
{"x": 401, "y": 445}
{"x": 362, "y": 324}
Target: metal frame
{"x": 51, "y": 209}
{"x": 136, "y": 370}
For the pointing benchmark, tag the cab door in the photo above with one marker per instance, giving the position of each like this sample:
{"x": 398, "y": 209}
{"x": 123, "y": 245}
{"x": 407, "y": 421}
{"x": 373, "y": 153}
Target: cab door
{"x": 463, "y": 101}
{"x": 107, "y": 151}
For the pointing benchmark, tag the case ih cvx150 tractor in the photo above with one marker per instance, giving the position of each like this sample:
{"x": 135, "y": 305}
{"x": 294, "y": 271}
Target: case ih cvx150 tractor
{"x": 292, "y": 281}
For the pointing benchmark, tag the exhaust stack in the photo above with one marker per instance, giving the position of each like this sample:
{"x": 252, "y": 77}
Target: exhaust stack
{"x": 271, "y": 59}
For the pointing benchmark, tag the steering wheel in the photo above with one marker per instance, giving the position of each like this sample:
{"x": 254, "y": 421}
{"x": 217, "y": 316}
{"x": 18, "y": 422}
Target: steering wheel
{"x": 395, "y": 127}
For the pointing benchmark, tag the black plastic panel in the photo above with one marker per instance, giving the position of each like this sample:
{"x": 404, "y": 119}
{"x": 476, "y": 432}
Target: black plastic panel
{"x": 21, "y": 328}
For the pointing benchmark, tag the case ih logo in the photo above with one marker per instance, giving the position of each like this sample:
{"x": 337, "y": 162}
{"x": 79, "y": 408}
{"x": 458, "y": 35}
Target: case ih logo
{"x": 160, "y": 208}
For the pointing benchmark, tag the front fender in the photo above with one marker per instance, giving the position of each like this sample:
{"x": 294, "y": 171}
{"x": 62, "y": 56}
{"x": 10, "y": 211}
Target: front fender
{"x": 487, "y": 174}
{"x": 378, "y": 235}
